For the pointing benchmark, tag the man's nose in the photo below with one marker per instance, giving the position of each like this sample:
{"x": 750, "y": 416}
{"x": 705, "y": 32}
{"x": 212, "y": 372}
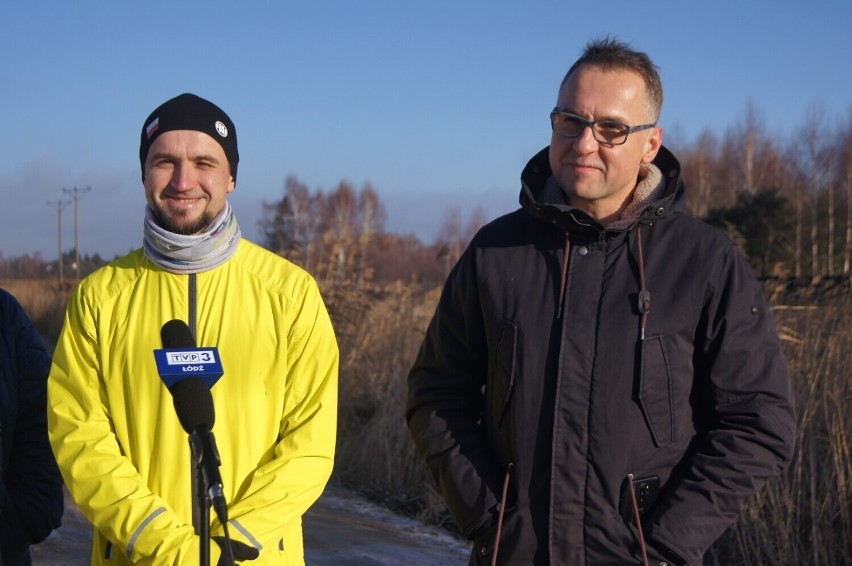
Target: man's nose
{"x": 586, "y": 141}
{"x": 183, "y": 177}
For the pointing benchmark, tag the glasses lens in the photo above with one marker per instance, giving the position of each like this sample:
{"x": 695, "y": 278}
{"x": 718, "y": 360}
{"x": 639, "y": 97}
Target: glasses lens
{"x": 567, "y": 125}
{"x": 611, "y": 132}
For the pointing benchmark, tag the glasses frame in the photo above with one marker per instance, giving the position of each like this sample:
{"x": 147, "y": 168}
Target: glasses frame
{"x": 592, "y": 123}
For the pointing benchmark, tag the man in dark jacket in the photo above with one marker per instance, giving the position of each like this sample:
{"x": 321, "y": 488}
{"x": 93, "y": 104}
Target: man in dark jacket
{"x": 602, "y": 381}
{"x": 30, "y": 485}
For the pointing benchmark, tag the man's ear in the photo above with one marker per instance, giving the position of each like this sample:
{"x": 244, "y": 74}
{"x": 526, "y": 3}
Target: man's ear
{"x": 653, "y": 144}
{"x": 232, "y": 184}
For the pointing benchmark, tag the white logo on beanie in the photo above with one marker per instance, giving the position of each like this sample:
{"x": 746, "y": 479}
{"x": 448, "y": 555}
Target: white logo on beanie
{"x": 221, "y": 129}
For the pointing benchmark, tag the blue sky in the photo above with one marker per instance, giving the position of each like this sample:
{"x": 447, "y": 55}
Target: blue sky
{"x": 436, "y": 104}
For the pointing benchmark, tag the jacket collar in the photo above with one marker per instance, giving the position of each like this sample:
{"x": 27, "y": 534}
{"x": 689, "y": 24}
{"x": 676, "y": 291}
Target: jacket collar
{"x": 539, "y": 198}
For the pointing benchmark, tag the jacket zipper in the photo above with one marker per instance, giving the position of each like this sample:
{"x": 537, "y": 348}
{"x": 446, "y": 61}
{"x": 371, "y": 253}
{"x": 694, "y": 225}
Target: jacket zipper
{"x": 193, "y": 306}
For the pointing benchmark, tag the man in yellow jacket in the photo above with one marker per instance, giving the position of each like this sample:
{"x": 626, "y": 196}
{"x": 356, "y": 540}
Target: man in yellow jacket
{"x": 112, "y": 420}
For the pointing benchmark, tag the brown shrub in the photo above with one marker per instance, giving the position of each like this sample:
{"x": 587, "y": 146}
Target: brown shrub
{"x": 44, "y": 301}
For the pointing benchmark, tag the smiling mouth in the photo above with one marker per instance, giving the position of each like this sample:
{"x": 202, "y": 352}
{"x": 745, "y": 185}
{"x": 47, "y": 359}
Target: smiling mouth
{"x": 182, "y": 200}
{"x": 582, "y": 167}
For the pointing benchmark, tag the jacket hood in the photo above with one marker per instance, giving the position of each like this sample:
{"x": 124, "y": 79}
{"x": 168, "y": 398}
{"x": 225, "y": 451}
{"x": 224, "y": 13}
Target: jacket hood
{"x": 536, "y": 200}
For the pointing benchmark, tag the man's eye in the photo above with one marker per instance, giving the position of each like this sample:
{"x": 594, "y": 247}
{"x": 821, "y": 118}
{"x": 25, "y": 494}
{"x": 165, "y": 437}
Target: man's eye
{"x": 611, "y": 127}
{"x": 571, "y": 123}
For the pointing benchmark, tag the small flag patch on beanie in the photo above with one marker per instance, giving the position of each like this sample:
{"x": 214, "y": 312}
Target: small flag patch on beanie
{"x": 152, "y": 127}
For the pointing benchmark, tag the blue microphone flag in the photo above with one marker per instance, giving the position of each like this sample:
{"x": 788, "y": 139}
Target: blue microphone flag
{"x": 181, "y": 358}
{"x": 175, "y": 364}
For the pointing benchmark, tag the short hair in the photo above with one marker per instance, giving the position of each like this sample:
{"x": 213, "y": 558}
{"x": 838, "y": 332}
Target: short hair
{"x": 611, "y": 54}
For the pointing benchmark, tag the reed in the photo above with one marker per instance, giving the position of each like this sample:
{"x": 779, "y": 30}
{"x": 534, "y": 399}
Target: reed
{"x": 803, "y": 517}
{"x": 44, "y": 300}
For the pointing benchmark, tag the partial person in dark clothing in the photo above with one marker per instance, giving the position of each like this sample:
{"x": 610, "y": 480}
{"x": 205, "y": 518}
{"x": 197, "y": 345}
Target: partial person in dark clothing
{"x": 30, "y": 485}
{"x": 602, "y": 381}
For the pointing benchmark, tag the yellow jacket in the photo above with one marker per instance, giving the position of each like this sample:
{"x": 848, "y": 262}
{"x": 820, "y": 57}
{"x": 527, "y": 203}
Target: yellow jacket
{"x": 124, "y": 455}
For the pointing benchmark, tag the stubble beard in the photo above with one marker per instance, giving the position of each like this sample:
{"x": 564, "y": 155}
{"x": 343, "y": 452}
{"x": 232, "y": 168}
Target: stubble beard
{"x": 181, "y": 225}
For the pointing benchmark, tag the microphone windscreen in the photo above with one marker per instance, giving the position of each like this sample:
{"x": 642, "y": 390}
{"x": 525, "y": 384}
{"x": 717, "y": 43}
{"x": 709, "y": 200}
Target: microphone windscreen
{"x": 176, "y": 334}
{"x": 193, "y": 403}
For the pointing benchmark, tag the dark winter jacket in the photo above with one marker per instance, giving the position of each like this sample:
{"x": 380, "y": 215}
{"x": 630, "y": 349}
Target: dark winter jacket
{"x": 650, "y": 352}
{"x": 31, "y": 487}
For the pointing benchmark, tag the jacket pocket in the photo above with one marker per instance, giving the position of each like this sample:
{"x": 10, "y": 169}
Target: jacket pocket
{"x": 503, "y": 367}
{"x": 483, "y": 548}
{"x": 655, "y": 391}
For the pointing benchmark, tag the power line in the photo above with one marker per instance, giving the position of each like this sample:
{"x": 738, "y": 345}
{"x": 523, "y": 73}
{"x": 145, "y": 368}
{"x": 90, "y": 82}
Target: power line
{"x": 76, "y": 193}
{"x": 59, "y": 204}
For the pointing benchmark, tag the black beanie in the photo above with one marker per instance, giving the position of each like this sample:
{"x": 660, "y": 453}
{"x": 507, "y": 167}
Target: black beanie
{"x": 190, "y": 112}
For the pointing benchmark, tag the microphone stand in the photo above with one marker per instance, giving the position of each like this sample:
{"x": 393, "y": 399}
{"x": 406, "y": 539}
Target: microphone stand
{"x": 200, "y": 499}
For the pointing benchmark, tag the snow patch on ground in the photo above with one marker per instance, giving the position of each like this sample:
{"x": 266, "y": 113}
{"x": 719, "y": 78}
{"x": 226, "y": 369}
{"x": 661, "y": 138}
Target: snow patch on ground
{"x": 345, "y": 528}
{"x": 342, "y": 528}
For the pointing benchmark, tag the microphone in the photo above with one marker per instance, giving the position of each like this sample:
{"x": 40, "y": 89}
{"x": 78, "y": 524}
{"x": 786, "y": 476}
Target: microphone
{"x": 176, "y": 334}
{"x": 194, "y": 407}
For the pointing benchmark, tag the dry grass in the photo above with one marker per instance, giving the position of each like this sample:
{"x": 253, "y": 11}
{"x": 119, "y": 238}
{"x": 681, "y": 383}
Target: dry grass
{"x": 804, "y": 517}
{"x": 379, "y": 332}
{"x": 44, "y": 301}
{"x": 800, "y": 518}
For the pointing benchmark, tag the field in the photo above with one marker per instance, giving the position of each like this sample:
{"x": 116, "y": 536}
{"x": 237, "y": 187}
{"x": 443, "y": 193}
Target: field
{"x": 805, "y": 517}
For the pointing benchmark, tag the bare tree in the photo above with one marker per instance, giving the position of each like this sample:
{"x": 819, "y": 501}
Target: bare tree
{"x": 749, "y": 133}
{"x": 477, "y": 220}
{"x": 817, "y": 172}
{"x": 845, "y": 152}
{"x": 341, "y": 216}
{"x": 450, "y": 239}
{"x": 699, "y": 171}
{"x": 829, "y": 187}
{"x": 371, "y": 213}
{"x": 287, "y": 225}
{"x": 794, "y": 183}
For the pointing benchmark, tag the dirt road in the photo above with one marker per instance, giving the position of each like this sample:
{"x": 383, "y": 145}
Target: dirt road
{"x": 340, "y": 529}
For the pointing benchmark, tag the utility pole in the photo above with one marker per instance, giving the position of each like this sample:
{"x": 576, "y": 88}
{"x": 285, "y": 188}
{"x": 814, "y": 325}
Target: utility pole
{"x": 76, "y": 193}
{"x": 59, "y": 204}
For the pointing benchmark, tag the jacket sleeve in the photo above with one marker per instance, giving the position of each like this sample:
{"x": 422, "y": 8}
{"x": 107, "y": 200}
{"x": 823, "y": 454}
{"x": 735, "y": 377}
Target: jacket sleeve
{"x": 103, "y": 482}
{"x": 445, "y": 403}
{"x": 747, "y": 405}
{"x": 33, "y": 505}
{"x": 281, "y": 491}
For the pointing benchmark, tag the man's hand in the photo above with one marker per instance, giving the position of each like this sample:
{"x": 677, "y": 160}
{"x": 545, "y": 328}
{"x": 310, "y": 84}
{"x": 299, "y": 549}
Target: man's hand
{"x": 241, "y": 551}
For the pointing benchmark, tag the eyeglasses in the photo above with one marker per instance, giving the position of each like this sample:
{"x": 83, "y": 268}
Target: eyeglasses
{"x": 608, "y": 132}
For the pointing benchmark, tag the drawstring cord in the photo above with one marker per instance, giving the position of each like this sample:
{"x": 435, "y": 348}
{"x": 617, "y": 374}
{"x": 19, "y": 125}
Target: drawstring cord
{"x": 644, "y": 302}
{"x": 644, "y": 308}
{"x": 500, "y": 515}
{"x": 564, "y": 282}
{"x": 644, "y": 305}
{"x": 644, "y": 298}
{"x": 638, "y": 520}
